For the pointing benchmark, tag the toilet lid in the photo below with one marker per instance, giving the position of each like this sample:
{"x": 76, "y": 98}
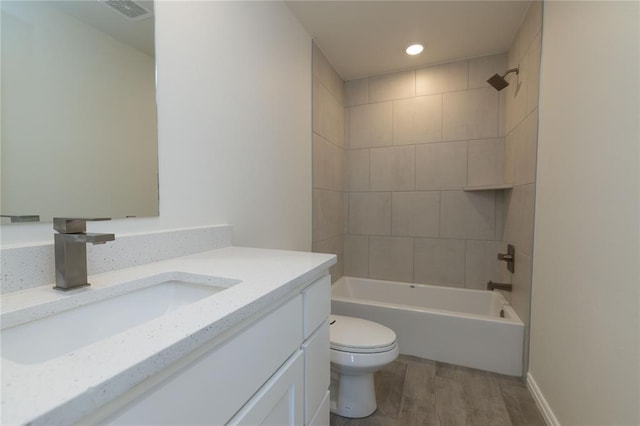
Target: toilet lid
{"x": 358, "y": 335}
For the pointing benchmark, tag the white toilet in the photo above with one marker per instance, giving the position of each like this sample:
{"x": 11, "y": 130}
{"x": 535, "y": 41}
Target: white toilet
{"x": 359, "y": 348}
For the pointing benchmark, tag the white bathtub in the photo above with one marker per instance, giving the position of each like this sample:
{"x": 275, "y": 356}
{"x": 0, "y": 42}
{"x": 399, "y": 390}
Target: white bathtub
{"x": 457, "y": 326}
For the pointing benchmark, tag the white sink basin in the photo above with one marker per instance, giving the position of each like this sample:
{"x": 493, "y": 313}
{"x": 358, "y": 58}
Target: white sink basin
{"x": 63, "y": 332}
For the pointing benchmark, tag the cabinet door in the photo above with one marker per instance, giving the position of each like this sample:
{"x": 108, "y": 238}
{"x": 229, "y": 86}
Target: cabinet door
{"x": 323, "y": 415}
{"x": 317, "y": 361}
{"x": 279, "y": 401}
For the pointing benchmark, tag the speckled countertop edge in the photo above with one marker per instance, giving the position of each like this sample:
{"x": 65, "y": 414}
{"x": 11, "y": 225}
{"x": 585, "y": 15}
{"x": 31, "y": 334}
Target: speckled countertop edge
{"x": 65, "y": 389}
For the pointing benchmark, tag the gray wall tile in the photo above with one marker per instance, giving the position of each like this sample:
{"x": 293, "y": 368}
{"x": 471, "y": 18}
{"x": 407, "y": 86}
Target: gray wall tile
{"x": 327, "y": 215}
{"x": 439, "y": 261}
{"x": 391, "y": 258}
{"x": 442, "y": 78}
{"x": 486, "y": 162}
{"x": 482, "y": 264}
{"x": 533, "y": 72}
{"x": 521, "y": 282}
{"x": 468, "y": 215}
{"x": 332, "y": 118}
{"x": 356, "y": 92}
{"x": 500, "y": 215}
{"x": 392, "y": 168}
{"x": 370, "y": 125}
{"x": 441, "y": 165}
{"x": 518, "y": 228}
{"x": 346, "y": 128}
{"x": 328, "y": 165}
{"x": 392, "y": 86}
{"x": 356, "y": 255}
{"x": 370, "y": 213}
{"x": 470, "y": 114}
{"x": 316, "y": 110}
{"x": 520, "y": 296}
{"x": 415, "y": 214}
{"x": 516, "y": 98}
{"x": 417, "y": 120}
{"x": 357, "y": 173}
{"x": 328, "y": 160}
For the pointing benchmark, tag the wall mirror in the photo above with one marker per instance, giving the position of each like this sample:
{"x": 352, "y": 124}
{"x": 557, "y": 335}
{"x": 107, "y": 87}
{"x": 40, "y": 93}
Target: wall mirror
{"x": 79, "y": 124}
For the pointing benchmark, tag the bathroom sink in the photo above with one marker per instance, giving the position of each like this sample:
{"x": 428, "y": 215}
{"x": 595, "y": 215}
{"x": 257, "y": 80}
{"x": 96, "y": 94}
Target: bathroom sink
{"x": 63, "y": 332}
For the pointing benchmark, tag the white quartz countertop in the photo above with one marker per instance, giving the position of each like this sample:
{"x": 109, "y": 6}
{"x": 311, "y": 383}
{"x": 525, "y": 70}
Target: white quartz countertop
{"x": 65, "y": 389}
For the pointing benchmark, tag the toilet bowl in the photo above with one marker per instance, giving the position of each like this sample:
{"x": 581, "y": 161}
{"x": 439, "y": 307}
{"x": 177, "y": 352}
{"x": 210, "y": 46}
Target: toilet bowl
{"x": 359, "y": 348}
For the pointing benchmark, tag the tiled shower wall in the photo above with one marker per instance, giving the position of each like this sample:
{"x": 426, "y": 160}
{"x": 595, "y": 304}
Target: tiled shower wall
{"x": 415, "y": 139}
{"x": 328, "y": 161}
{"x": 521, "y": 124}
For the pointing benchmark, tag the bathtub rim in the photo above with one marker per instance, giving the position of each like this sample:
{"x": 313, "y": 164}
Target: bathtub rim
{"x": 511, "y": 318}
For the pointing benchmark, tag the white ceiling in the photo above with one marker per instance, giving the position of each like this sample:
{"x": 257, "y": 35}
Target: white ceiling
{"x": 364, "y": 38}
{"x": 138, "y": 34}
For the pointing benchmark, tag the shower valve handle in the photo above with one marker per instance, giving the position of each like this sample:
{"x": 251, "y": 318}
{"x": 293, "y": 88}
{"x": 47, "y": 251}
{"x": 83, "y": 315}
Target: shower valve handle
{"x": 509, "y": 257}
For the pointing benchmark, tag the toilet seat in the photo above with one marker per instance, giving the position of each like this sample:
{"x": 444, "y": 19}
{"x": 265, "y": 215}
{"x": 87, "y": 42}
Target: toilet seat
{"x": 357, "y": 335}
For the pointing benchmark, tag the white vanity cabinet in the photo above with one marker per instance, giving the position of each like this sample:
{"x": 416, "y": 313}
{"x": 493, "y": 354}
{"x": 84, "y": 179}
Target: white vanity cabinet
{"x": 272, "y": 368}
{"x": 296, "y": 394}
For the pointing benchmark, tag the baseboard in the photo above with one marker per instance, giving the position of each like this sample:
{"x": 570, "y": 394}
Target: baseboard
{"x": 541, "y": 402}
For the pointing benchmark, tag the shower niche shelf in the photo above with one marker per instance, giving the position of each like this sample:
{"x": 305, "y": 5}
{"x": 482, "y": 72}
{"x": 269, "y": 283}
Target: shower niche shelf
{"x": 492, "y": 187}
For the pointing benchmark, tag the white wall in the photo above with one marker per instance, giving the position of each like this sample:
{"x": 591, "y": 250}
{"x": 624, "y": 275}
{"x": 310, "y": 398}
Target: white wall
{"x": 234, "y": 113}
{"x": 585, "y": 324}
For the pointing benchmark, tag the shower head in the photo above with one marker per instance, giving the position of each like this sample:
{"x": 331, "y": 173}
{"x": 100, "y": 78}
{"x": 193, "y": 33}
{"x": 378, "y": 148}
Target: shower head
{"x": 498, "y": 81}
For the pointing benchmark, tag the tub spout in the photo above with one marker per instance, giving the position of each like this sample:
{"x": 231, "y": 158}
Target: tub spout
{"x": 498, "y": 286}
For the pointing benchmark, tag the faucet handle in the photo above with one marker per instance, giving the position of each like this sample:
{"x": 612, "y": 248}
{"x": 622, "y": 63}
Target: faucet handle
{"x": 509, "y": 257}
{"x": 71, "y": 225}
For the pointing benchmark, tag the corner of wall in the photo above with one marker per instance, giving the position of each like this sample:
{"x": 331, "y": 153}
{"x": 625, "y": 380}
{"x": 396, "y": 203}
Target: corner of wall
{"x": 328, "y": 134}
{"x": 520, "y": 103}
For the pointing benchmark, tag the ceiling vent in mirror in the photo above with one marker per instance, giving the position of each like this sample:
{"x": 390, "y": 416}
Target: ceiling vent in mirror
{"x": 129, "y": 9}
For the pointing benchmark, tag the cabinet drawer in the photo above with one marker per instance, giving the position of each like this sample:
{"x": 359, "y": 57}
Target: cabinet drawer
{"x": 212, "y": 388}
{"x": 316, "y": 300}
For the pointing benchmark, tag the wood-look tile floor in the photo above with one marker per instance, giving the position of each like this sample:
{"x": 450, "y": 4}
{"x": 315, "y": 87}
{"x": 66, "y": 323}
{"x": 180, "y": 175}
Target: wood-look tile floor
{"x": 414, "y": 391}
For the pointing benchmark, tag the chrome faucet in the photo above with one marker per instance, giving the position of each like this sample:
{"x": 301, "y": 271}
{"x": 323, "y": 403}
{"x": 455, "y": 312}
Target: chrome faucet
{"x": 499, "y": 286}
{"x": 71, "y": 251}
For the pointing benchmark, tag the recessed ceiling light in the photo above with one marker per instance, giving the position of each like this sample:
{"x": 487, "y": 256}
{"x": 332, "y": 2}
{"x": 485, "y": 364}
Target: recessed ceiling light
{"x": 414, "y": 49}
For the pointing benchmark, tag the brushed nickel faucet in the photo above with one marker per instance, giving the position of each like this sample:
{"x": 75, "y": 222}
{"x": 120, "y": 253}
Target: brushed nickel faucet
{"x": 20, "y": 218}
{"x": 71, "y": 251}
